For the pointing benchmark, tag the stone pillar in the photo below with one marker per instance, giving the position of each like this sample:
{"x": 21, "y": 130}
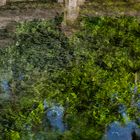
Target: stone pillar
{"x": 2, "y": 2}
{"x": 71, "y": 10}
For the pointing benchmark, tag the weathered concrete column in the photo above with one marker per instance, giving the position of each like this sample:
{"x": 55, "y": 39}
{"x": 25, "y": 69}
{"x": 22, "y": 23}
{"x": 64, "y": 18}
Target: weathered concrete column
{"x": 72, "y": 10}
{"x": 2, "y": 2}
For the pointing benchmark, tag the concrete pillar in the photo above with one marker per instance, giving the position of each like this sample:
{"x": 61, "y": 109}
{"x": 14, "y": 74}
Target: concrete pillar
{"x": 2, "y": 2}
{"x": 71, "y": 10}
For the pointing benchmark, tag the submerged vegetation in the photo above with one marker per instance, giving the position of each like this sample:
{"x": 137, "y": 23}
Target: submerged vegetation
{"x": 90, "y": 74}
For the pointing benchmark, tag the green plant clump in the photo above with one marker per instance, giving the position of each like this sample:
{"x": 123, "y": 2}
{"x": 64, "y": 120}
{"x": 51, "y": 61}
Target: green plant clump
{"x": 90, "y": 74}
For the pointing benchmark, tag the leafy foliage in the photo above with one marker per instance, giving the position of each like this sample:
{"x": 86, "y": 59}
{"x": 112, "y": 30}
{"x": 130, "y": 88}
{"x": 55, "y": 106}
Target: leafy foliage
{"x": 90, "y": 74}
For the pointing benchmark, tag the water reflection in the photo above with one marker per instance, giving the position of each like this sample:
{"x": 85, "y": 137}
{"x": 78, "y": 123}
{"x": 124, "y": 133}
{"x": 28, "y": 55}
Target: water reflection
{"x": 138, "y": 106}
{"x": 5, "y": 86}
{"x": 116, "y": 131}
{"x": 5, "y": 90}
{"x": 122, "y": 111}
{"x": 128, "y": 131}
{"x": 55, "y": 115}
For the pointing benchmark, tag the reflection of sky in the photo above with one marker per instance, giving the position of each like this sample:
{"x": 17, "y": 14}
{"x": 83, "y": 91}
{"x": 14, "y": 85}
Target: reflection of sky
{"x": 55, "y": 116}
{"x": 21, "y": 77}
{"x": 5, "y": 90}
{"x": 135, "y": 89}
{"x": 5, "y": 86}
{"x": 118, "y": 132}
{"x": 5, "y": 83}
{"x": 138, "y": 106}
